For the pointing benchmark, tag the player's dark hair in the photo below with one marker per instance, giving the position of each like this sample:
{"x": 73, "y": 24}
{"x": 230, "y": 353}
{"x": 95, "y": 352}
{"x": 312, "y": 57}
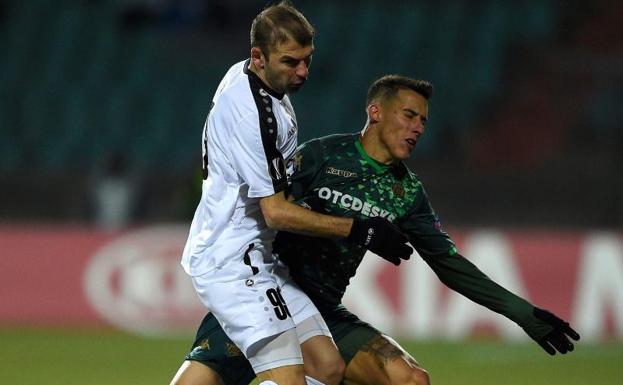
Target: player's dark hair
{"x": 386, "y": 87}
{"x": 276, "y": 24}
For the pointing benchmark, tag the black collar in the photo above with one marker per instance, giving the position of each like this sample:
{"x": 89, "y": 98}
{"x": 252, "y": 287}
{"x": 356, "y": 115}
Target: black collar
{"x": 253, "y": 75}
{"x": 400, "y": 170}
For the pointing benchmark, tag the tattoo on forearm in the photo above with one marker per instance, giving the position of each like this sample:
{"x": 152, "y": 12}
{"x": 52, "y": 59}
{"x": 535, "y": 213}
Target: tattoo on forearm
{"x": 381, "y": 348}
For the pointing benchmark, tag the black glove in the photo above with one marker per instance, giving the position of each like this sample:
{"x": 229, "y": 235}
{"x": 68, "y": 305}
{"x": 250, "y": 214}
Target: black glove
{"x": 557, "y": 338}
{"x": 381, "y": 237}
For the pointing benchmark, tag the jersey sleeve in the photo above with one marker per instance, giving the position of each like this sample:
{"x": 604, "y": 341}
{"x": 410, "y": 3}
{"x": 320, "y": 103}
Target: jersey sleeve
{"x": 455, "y": 271}
{"x": 307, "y": 164}
{"x": 255, "y": 157}
{"x": 462, "y": 276}
{"x": 424, "y": 230}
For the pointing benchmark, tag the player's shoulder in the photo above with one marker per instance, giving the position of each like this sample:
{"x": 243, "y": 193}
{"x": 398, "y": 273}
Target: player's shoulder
{"x": 235, "y": 84}
{"x": 333, "y": 141}
{"x": 234, "y": 96}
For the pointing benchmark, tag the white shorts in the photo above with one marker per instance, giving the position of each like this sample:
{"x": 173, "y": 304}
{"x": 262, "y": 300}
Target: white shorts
{"x": 285, "y": 348}
{"x": 258, "y": 305}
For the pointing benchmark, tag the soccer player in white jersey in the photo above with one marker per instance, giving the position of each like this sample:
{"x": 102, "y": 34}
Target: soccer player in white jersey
{"x": 249, "y": 141}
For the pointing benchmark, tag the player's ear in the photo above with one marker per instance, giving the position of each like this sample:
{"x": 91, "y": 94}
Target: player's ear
{"x": 257, "y": 57}
{"x": 373, "y": 112}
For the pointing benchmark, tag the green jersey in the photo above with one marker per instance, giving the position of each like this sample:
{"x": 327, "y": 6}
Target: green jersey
{"x": 333, "y": 175}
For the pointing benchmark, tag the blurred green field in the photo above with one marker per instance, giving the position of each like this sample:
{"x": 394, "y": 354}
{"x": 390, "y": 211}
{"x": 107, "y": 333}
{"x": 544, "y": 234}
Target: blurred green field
{"x": 67, "y": 357}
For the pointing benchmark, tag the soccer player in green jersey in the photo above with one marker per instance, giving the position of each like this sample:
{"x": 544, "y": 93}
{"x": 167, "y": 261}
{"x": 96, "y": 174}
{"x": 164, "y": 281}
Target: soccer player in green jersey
{"x": 363, "y": 176}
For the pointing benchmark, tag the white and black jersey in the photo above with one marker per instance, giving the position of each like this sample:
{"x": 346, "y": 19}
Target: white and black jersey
{"x": 249, "y": 139}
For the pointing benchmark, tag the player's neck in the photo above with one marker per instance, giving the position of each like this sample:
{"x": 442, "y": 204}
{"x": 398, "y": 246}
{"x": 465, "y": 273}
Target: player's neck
{"x": 260, "y": 75}
{"x": 256, "y": 71}
{"x": 372, "y": 145}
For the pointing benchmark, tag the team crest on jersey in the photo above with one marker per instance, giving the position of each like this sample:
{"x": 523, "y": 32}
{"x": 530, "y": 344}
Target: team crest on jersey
{"x": 277, "y": 168}
{"x": 398, "y": 190}
{"x": 205, "y": 344}
{"x": 298, "y": 161}
{"x": 232, "y": 350}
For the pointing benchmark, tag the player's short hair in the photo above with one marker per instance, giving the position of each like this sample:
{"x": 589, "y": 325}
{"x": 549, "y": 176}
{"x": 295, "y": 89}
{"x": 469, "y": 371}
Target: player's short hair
{"x": 386, "y": 87}
{"x": 278, "y": 23}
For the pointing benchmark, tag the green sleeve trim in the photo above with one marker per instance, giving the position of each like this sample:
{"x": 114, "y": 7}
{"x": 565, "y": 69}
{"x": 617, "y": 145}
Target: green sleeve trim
{"x": 376, "y": 165}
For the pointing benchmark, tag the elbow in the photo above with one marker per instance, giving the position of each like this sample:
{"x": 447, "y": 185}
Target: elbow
{"x": 273, "y": 217}
{"x": 275, "y": 210}
{"x": 272, "y": 220}
{"x": 277, "y": 221}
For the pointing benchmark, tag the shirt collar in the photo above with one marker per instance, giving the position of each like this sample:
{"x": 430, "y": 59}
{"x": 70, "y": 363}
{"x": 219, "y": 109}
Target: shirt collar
{"x": 398, "y": 169}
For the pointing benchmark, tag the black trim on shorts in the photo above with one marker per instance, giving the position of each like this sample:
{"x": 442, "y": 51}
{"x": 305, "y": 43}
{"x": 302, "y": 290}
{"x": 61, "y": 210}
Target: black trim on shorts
{"x": 247, "y": 260}
{"x": 268, "y": 130}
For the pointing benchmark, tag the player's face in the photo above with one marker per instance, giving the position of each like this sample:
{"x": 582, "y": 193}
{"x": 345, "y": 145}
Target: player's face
{"x": 287, "y": 67}
{"x": 401, "y": 122}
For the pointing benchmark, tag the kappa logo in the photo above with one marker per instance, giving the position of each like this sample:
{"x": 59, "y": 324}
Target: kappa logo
{"x": 342, "y": 173}
{"x": 277, "y": 168}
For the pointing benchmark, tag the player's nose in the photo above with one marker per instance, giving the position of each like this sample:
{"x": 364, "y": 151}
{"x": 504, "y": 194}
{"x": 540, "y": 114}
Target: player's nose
{"x": 302, "y": 70}
{"x": 418, "y": 126}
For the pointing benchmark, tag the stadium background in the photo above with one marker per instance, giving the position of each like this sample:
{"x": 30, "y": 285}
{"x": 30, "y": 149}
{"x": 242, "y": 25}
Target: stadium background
{"x": 101, "y": 109}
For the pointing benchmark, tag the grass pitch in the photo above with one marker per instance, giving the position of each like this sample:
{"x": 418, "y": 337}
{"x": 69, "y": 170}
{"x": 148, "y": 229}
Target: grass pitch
{"x": 67, "y": 357}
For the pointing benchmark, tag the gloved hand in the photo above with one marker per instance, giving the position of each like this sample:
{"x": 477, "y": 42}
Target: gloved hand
{"x": 557, "y": 339}
{"x": 381, "y": 237}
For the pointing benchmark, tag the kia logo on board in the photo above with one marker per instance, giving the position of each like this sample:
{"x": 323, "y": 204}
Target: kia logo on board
{"x": 137, "y": 283}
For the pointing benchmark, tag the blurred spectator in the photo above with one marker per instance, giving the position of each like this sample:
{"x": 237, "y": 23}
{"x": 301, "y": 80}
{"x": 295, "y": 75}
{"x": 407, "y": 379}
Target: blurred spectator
{"x": 113, "y": 194}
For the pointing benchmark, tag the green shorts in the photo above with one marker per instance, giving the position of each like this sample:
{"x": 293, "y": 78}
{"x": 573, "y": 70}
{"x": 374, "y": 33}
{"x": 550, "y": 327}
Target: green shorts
{"x": 213, "y": 348}
{"x": 349, "y": 332}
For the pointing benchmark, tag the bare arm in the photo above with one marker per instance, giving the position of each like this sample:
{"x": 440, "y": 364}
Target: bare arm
{"x": 280, "y": 214}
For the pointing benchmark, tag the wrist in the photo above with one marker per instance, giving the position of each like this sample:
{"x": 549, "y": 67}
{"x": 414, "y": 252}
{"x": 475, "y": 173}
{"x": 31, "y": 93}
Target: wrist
{"x": 358, "y": 232}
{"x": 355, "y": 224}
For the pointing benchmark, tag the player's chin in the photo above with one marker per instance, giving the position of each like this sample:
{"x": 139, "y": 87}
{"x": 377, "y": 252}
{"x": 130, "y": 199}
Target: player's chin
{"x": 401, "y": 155}
{"x": 295, "y": 87}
